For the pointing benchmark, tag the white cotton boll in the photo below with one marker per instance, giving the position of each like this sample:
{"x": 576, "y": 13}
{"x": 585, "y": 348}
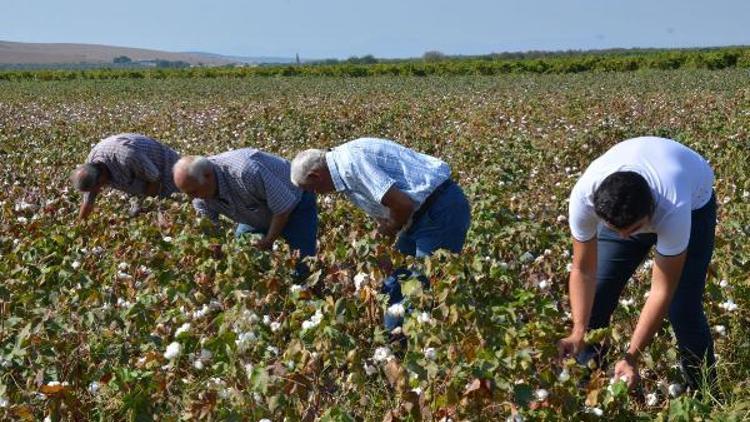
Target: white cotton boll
{"x": 75, "y": 265}
{"x": 526, "y": 257}
{"x": 729, "y": 305}
{"x": 370, "y": 369}
{"x": 720, "y": 330}
{"x": 652, "y": 399}
{"x": 198, "y": 364}
{"x": 674, "y": 389}
{"x": 627, "y": 302}
{"x": 184, "y": 328}
{"x": 98, "y": 250}
{"x": 200, "y": 313}
{"x": 424, "y": 318}
{"x": 396, "y": 310}
{"x": 167, "y": 239}
{"x": 569, "y": 267}
{"x": 94, "y": 388}
{"x": 123, "y": 303}
{"x": 541, "y": 394}
{"x": 275, "y": 326}
{"x": 244, "y": 339}
{"x": 4, "y": 402}
{"x": 564, "y": 375}
{"x": 22, "y": 220}
{"x": 382, "y": 354}
{"x": 266, "y": 320}
{"x": 430, "y": 353}
{"x": 723, "y": 284}
{"x": 359, "y": 280}
{"x": 123, "y": 276}
{"x": 173, "y": 351}
{"x": 123, "y": 266}
{"x": 296, "y": 288}
{"x": 561, "y": 218}
{"x": 544, "y": 284}
{"x": 595, "y": 411}
{"x": 265, "y": 420}
{"x": 417, "y": 390}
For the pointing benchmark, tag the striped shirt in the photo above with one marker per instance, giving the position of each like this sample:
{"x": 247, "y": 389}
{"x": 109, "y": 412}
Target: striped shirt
{"x": 251, "y": 186}
{"x": 135, "y": 160}
{"x": 365, "y": 168}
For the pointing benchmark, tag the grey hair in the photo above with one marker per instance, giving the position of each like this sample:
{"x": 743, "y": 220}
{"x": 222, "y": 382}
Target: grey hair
{"x": 85, "y": 177}
{"x": 195, "y": 167}
{"x": 305, "y": 163}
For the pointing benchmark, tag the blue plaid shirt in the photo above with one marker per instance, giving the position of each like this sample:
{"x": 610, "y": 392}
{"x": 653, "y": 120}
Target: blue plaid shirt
{"x": 252, "y": 186}
{"x": 365, "y": 168}
{"x": 133, "y": 161}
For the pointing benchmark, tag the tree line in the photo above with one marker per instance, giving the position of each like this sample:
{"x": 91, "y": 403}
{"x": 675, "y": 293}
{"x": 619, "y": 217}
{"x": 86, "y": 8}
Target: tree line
{"x": 433, "y": 63}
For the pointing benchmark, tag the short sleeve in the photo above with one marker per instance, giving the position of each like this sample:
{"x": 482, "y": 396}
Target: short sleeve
{"x": 582, "y": 219}
{"x": 280, "y": 196}
{"x": 673, "y": 232}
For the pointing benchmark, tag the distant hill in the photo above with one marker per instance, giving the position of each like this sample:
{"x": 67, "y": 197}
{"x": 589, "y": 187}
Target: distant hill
{"x": 16, "y": 53}
{"x": 244, "y": 60}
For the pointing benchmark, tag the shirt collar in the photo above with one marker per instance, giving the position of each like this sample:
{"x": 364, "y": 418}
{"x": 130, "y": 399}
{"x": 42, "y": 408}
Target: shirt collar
{"x": 338, "y": 182}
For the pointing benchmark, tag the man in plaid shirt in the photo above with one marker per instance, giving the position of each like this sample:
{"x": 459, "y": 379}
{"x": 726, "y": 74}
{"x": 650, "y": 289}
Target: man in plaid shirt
{"x": 132, "y": 163}
{"x": 252, "y": 188}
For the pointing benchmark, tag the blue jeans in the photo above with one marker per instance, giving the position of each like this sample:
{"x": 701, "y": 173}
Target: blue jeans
{"x": 617, "y": 260}
{"x": 442, "y": 226}
{"x": 300, "y": 232}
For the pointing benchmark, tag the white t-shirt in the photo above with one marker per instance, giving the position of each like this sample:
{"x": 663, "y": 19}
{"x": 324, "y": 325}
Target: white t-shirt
{"x": 680, "y": 180}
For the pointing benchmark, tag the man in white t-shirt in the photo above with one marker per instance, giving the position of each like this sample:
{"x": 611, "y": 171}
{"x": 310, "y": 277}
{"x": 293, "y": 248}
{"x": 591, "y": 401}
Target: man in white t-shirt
{"x": 643, "y": 192}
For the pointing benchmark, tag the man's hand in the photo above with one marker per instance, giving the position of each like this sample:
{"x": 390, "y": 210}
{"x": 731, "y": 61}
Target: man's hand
{"x": 570, "y": 346}
{"x": 386, "y": 227}
{"x": 264, "y": 244}
{"x": 627, "y": 370}
{"x": 153, "y": 188}
{"x": 87, "y": 204}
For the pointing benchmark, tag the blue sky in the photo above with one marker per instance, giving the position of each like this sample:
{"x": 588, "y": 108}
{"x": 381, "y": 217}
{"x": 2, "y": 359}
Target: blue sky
{"x": 384, "y": 28}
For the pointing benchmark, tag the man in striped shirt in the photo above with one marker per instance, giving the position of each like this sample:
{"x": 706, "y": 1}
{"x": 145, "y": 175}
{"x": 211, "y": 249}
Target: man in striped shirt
{"x": 410, "y": 195}
{"x": 132, "y": 163}
{"x": 252, "y": 188}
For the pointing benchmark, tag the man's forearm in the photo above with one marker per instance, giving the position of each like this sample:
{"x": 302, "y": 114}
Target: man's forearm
{"x": 398, "y": 217}
{"x": 582, "y": 289}
{"x": 278, "y": 222}
{"x": 649, "y": 321}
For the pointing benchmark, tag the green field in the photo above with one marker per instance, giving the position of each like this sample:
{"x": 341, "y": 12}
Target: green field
{"x": 93, "y": 306}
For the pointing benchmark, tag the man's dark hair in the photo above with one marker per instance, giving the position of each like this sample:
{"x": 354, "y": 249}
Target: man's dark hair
{"x": 623, "y": 198}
